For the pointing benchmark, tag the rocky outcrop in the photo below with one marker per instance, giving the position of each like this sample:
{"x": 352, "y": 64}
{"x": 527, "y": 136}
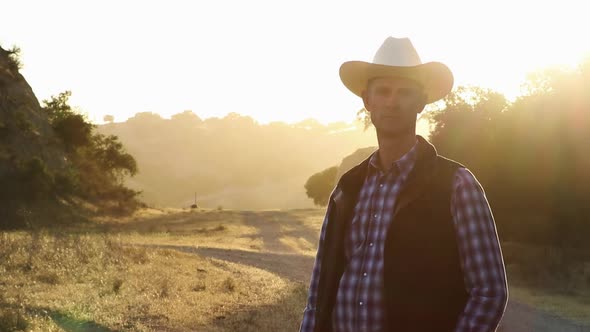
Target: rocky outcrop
{"x": 25, "y": 131}
{"x": 30, "y": 153}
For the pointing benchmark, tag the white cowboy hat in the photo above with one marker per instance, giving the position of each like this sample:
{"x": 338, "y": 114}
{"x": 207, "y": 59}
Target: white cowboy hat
{"x": 398, "y": 57}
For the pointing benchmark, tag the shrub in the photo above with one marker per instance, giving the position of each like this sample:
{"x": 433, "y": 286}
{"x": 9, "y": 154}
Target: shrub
{"x": 35, "y": 181}
{"x": 50, "y": 277}
{"x": 14, "y": 58}
{"x": 228, "y": 285}
{"x": 319, "y": 185}
{"x": 117, "y": 283}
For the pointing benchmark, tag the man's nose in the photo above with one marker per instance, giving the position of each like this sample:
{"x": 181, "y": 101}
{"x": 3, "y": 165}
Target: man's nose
{"x": 392, "y": 104}
{"x": 392, "y": 101}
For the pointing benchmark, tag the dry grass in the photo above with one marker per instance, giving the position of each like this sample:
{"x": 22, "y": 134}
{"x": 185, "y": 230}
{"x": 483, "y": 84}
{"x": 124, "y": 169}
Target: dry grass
{"x": 210, "y": 228}
{"x": 572, "y": 307}
{"x": 556, "y": 280}
{"x": 564, "y": 270}
{"x": 50, "y": 282}
{"x": 295, "y": 231}
{"x": 119, "y": 276}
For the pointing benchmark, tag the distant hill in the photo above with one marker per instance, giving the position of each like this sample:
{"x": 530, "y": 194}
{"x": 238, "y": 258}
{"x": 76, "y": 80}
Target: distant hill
{"x": 233, "y": 162}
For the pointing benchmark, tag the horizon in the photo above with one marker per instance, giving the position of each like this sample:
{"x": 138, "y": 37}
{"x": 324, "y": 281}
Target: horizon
{"x": 423, "y": 126}
{"x": 258, "y": 60}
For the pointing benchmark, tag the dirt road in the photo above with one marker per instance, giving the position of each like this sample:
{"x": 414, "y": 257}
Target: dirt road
{"x": 518, "y": 317}
{"x": 278, "y": 258}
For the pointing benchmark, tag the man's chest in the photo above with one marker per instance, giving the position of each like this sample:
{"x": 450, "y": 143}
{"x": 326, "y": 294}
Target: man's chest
{"x": 373, "y": 213}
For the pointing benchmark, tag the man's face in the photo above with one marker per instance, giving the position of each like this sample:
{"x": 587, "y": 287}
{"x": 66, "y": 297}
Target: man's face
{"x": 394, "y": 103}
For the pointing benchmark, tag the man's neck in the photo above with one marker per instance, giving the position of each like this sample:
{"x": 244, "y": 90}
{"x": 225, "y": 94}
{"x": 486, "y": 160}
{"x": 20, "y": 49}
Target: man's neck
{"x": 392, "y": 148}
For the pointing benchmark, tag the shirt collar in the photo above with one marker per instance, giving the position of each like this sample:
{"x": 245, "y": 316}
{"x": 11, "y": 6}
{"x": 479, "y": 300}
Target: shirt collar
{"x": 403, "y": 165}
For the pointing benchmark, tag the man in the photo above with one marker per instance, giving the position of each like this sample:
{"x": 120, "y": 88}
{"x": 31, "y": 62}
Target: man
{"x": 408, "y": 242}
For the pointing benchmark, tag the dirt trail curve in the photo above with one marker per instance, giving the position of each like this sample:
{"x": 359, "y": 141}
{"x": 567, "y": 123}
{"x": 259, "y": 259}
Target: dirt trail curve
{"x": 274, "y": 258}
{"x": 518, "y": 317}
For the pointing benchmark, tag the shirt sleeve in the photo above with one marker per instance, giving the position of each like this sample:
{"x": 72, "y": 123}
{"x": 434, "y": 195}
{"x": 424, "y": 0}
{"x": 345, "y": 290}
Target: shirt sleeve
{"x": 481, "y": 256}
{"x": 309, "y": 314}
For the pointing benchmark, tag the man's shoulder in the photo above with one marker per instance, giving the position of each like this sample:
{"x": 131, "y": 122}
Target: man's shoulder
{"x": 462, "y": 176}
{"x": 448, "y": 162}
{"x": 359, "y": 170}
{"x": 446, "y": 169}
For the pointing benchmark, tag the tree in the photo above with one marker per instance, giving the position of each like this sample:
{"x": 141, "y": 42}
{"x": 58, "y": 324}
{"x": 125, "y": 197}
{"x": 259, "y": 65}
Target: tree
{"x": 98, "y": 164}
{"x": 14, "y": 54}
{"x": 73, "y": 129}
{"x": 112, "y": 157}
{"x": 319, "y": 185}
{"x": 466, "y": 128}
{"x": 530, "y": 155}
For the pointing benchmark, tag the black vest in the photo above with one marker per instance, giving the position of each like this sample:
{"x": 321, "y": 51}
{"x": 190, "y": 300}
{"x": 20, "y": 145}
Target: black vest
{"x": 424, "y": 287}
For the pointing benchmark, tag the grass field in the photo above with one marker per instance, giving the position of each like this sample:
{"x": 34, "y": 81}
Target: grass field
{"x": 174, "y": 270}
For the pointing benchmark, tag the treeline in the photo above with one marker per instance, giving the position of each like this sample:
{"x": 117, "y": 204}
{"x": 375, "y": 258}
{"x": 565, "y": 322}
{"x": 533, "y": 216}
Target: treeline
{"x": 530, "y": 155}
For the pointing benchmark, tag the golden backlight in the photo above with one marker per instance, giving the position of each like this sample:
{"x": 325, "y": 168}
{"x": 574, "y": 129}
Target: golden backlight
{"x": 271, "y": 61}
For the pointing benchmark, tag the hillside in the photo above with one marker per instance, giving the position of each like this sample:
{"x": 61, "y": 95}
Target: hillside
{"x": 30, "y": 152}
{"x": 233, "y": 162}
{"x": 24, "y": 127}
{"x": 53, "y": 164}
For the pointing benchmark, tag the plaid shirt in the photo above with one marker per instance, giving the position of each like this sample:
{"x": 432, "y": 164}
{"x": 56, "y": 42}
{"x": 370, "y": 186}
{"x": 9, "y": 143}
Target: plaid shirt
{"x": 359, "y": 301}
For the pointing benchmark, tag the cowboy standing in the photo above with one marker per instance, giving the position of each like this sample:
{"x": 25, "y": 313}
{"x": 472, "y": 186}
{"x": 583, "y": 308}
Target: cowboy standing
{"x": 408, "y": 242}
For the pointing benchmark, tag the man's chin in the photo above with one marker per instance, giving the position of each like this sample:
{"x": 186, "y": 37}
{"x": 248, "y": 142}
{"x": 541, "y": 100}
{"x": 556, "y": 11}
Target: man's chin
{"x": 395, "y": 133}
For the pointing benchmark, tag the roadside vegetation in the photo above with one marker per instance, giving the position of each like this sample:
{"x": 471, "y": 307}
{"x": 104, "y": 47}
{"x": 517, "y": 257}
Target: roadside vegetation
{"x": 63, "y": 281}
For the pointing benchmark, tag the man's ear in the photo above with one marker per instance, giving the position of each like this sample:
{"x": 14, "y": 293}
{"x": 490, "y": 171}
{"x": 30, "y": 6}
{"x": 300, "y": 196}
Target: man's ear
{"x": 422, "y": 102}
{"x": 365, "y": 97}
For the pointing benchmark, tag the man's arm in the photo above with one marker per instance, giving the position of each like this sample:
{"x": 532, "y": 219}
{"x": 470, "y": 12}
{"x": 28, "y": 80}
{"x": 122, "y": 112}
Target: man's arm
{"x": 481, "y": 256}
{"x": 309, "y": 314}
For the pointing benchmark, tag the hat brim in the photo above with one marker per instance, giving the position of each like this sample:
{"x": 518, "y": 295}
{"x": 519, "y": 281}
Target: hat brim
{"x": 435, "y": 77}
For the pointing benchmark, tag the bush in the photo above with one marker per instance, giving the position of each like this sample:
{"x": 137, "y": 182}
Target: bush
{"x": 319, "y": 185}
{"x": 14, "y": 57}
{"x": 73, "y": 130}
{"x": 35, "y": 181}
{"x": 98, "y": 164}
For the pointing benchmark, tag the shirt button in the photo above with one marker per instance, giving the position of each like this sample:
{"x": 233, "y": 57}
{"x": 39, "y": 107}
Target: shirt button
{"x": 361, "y": 303}
{"x": 365, "y": 274}
{"x": 375, "y": 216}
{"x": 381, "y": 185}
{"x": 371, "y": 244}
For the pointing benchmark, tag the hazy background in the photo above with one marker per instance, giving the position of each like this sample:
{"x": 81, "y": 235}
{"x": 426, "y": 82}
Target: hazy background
{"x": 272, "y": 60}
{"x": 232, "y": 162}
{"x": 254, "y": 73}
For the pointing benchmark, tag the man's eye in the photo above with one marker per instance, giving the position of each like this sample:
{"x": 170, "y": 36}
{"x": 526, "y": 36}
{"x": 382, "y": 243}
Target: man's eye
{"x": 406, "y": 92}
{"x": 383, "y": 91}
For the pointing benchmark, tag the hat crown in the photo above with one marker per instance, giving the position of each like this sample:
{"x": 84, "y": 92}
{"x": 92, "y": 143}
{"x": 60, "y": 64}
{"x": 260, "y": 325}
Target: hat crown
{"x": 397, "y": 52}
{"x": 397, "y": 57}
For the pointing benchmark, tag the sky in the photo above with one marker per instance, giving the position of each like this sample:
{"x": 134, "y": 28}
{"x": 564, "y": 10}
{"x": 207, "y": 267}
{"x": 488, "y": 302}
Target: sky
{"x": 272, "y": 60}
